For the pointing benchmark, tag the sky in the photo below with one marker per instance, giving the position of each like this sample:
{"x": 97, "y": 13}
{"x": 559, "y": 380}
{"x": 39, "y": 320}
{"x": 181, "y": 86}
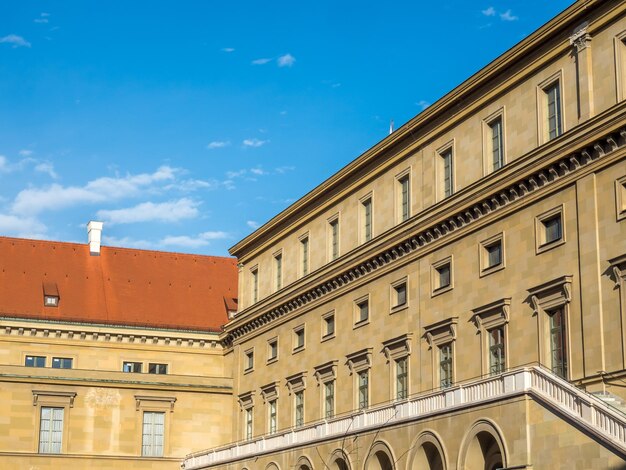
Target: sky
{"x": 185, "y": 125}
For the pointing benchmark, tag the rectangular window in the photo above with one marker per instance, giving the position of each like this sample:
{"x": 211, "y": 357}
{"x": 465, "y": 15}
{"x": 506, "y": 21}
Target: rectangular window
{"x": 399, "y": 294}
{"x": 552, "y": 229}
{"x": 248, "y": 361}
{"x": 363, "y": 397}
{"x": 51, "y": 430}
{"x": 494, "y": 254}
{"x": 299, "y": 408}
{"x": 445, "y": 365}
{"x": 443, "y": 276}
{"x": 329, "y": 325}
{"x": 298, "y": 338}
{"x": 153, "y": 432}
{"x": 553, "y": 103}
{"x": 447, "y": 178}
{"x": 367, "y": 219}
{"x": 496, "y": 351}
{"x": 272, "y": 421}
{"x": 304, "y": 243}
{"x": 401, "y": 379}
{"x": 248, "y": 423}
{"x": 362, "y": 310}
{"x": 329, "y": 399}
{"x": 272, "y": 349}
{"x": 35, "y": 361}
{"x": 405, "y": 211}
{"x": 131, "y": 367}
{"x": 334, "y": 239}
{"x": 278, "y": 263}
{"x": 61, "y": 363}
{"x": 558, "y": 342}
{"x": 157, "y": 368}
{"x": 255, "y": 285}
{"x": 497, "y": 144}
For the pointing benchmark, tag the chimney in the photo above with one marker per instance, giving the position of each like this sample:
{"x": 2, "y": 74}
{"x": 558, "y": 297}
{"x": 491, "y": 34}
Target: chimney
{"x": 94, "y": 235}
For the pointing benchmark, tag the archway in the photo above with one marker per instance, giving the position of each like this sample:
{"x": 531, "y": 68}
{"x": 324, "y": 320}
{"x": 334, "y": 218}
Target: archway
{"x": 428, "y": 454}
{"x": 380, "y": 458}
{"x": 304, "y": 464}
{"x": 339, "y": 460}
{"x": 483, "y": 448}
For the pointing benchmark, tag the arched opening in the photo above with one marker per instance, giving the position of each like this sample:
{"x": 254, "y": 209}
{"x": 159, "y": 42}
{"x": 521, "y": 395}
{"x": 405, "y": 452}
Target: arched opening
{"x": 272, "y": 466}
{"x": 339, "y": 464}
{"x": 339, "y": 461}
{"x": 380, "y": 458}
{"x": 483, "y": 448}
{"x": 428, "y": 457}
{"x": 304, "y": 464}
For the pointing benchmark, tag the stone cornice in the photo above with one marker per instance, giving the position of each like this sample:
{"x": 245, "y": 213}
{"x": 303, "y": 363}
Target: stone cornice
{"x": 525, "y": 177}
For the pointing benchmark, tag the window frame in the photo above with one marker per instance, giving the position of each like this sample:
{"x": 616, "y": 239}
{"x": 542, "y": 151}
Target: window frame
{"x": 158, "y": 367}
{"x": 35, "y": 358}
{"x": 272, "y": 350}
{"x": 326, "y": 335}
{"x": 494, "y": 315}
{"x": 334, "y": 237}
{"x": 445, "y": 191}
{"x": 254, "y": 280}
{"x": 366, "y": 223}
{"x": 401, "y": 201}
{"x": 154, "y": 413}
{"x": 394, "y": 295}
{"x": 541, "y": 244}
{"x": 305, "y": 254}
{"x": 134, "y": 363}
{"x": 358, "y": 311}
{"x": 62, "y": 361}
{"x": 248, "y": 361}
{"x": 487, "y": 131}
{"x": 435, "y": 276}
{"x": 485, "y": 268}
{"x": 620, "y": 197}
{"x": 543, "y": 125}
{"x": 297, "y": 344}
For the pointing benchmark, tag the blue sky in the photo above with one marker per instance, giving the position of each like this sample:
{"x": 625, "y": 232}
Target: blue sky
{"x": 185, "y": 125}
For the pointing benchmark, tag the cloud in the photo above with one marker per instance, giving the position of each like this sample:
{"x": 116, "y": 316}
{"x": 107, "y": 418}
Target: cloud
{"x": 258, "y": 171}
{"x": 47, "y": 168}
{"x": 508, "y": 16}
{"x": 423, "y": 104}
{"x": 41, "y": 20}
{"x": 4, "y": 164}
{"x": 252, "y": 224}
{"x": 26, "y": 227}
{"x": 218, "y": 144}
{"x": 127, "y": 242}
{"x": 227, "y": 49}
{"x": 25, "y": 153}
{"x": 254, "y": 142}
{"x": 286, "y": 60}
{"x": 15, "y": 41}
{"x": 491, "y": 11}
{"x": 171, "y": 211}
{"x": 203, "y": 239}
{"x": 56, "y": 196}
{"x": 281, "y": 170}
{"x": 261, "y": 61}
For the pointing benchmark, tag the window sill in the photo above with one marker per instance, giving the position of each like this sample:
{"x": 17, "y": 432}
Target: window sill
{"x": 328, "y": 337}
{"x": 272, "y": 360}
{"x": 297, "y": 350}
{"x": 441, "y": 290}
{"x": 492, "y": 269}
{"x": 248, "y": 371}
{"x": 361, "y": 323}
{"x": 398, "y": 308}
{"x": 549, "y": 246}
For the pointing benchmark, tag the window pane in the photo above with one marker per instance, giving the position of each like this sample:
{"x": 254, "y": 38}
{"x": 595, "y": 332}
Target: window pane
{"x": 494, "y": 254}
{"x": 404, "y": 187}
{"x": 552, "y": 227}
{"x": 305, "y": 256}
{"x": 363, "y": 389}
{"x": 444, "y": 276}
{"x": 400, "y": 294}
{"x": 51, "y": 430}
{"x": 496, "y": 144}
{"x": 363, "y": 310}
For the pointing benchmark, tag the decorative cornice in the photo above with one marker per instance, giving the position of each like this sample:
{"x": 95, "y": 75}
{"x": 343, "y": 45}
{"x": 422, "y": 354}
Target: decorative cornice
{"x": 63, "y": 396}
{"x": 142, "y": 400}
{"x": 496, "y": 201}
{"x": 551, "y": 293}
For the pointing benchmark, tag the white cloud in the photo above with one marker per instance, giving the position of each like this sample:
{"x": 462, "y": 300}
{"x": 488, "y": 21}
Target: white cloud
{"x": 261, "y": 61}
{"x": 41, "y": 20}
{"x": 26, "y": 227}
{"x": 186, "y": 241}
{"x": 423, "y": 104}
{"x": 218, "y": 144}
{"x": 4, "y": 165}
{"x": 25, "y": 153}
{"x": 254, "y": 142}
{"x": 258, "y": 171}
{"x": 171, "y": 211}
{"x": 228, "y": 49}
{"x": 47, "y": 168}
{"x": 15, "y": 40}
{"x": 55, "y": 197}
{"x": 252, "y": 224}
{"x": 491, "y": 11}
{"x": 281, "y": 170}
{"x": 508, "y": 16}
{"x": 286, "y": 60}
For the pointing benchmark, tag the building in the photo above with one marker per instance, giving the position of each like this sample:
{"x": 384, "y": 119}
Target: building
{"x": 110, "y": 357}
{"x": 454, "y": 298}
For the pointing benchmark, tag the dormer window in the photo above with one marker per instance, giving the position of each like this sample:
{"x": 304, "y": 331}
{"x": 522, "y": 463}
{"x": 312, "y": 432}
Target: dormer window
{"x": 50, "y": 294}
{"x": 51, "y": 301}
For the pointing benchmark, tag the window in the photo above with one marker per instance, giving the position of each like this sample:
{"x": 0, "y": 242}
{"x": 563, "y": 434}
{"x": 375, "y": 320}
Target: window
{"x": 445, "y": 171}
{"x": 248, "y": 424}
{"x": 441, "y": 276}
{"x": 445, "y": 365}
{"x": 398, "y": 295}
{"x": 131, "y": 367}
{"x": 620, "y": 69}
{"x": 153, "y": 432}
{"x": 271, "y": 419}
{"x": 362, "y": 313}
{"x": 334, "y": 238}
{"x": 496, "y": 144}
{"x": 404, "y": 197}
{"x": 304, "y": 246}
{"x": 496, "y": 351}
{"x": 366, "y": 209}
{"x": 401, "y": 379}
{"x": 278, "y": 265}
{"x": 51, "y": 430}
{"x": 328, "y": 325}
{"x": 51, "y": 301}
{"x": 61, "y": 363}
{"x": 329, "y": 399}
{"x": 157, "y": 368}
{"x": 298, "y": 342}
{"x": 299, "y": 408}
{"x": 248, "y": 361}
{"x": 363, "y": 394}
{"x": 492, "y": 254}
{"x": 255, "y": 284}
{"x": 549, "y": 230}
{"x": 272, "y": 349}
{"x": 553, "y": 103}
{"x": 558, "y": 342}
{"x": 620, "y": 198}
{"x": 35, "y": 361}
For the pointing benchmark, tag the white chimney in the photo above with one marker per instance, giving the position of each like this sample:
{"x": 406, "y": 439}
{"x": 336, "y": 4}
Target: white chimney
{"x": 94, "y": 235}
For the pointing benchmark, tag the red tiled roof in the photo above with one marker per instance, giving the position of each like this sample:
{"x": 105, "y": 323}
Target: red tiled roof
{"x": 121, "y": 286}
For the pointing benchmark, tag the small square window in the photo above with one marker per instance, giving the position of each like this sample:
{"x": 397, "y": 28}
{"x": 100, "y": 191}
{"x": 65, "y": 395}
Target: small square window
{"x": 298, "y": 334}
{"x": 157, "y": 368}
{"x": 620, "y": 198}
{"x": 362, "y": 311}
{"x": 35, "y": 361}
{"x": 61, "y": 363}
{"x": 550, "y": 229}
{"x": 51, "y": 301}
{"x": 132, "y": 367}
{"x": 248, "y": 361}
{"x": 492, "y": 254}
{"x": 400, "y": 291}
{"x": 441, "y": 276}
{"x": 272, "y": 350}
{"x": 328, "y": 326}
